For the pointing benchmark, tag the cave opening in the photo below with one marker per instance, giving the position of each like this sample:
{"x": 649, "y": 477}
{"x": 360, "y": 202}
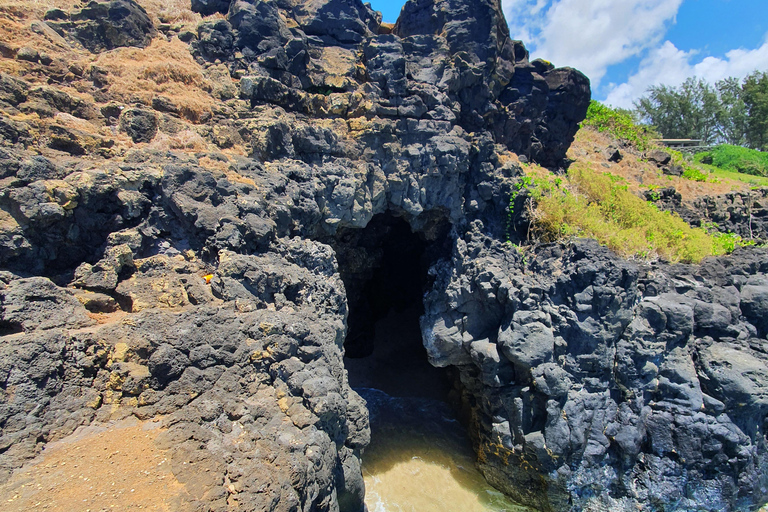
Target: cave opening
{"x": 420, "y": 456}
{"x": 384, "y": 267}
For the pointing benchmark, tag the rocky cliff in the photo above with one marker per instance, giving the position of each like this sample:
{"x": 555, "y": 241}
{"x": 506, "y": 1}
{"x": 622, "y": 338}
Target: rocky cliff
{"x": 199, "y": 247}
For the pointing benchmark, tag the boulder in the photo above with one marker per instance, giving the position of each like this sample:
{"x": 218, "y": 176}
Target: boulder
{"x": 208, "y": 7}
{"x": 659, "y": 157}
{"x": 101, "y": 26}
{"x": 140, "y": 124}
{"x": 35, "y": 303}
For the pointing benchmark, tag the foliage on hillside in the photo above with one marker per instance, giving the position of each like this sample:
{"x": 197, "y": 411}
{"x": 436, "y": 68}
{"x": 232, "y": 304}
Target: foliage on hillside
{"x": 736, "y": 159}
{"x": 593, "y": 204}
{"x": 620, "y": 124}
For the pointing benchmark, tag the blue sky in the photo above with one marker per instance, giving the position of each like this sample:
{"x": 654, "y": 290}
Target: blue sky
{"x": 625, "y": 46}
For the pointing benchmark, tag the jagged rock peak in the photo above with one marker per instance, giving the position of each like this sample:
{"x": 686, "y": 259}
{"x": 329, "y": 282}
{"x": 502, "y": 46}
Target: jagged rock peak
{"x": 445, "y": 60}
{"x": 476, "y": 27}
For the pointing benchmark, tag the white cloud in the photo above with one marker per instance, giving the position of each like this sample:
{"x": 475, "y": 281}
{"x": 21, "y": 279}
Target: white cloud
{"x": 589, "y": 35}
{"x": 670, "y": 66}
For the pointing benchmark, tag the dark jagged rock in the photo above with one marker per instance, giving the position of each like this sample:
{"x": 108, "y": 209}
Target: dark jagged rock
{"x": 36, "y": 303}
{"x": 12, "y": 90}
{"x": 745, "y": 214}
{"x": 617, "y": 372}
{"x": 345, "y": 21}
{"x": 13, "y": 131}
{"x": 219, "y": 291}
{"x": 741, "y": 213}
{"x": 28, "y": 54}
{"x": 444, "y": 62}
{"x": 140, "y": 124}
{"x": 46, "y": 101}
{"x": 101, "y": 26}
{"x": 38, "y": 168}
{"x": 530, "y": 107}
{"x": 208, "y": 7}
{"x": 659, "y": 157}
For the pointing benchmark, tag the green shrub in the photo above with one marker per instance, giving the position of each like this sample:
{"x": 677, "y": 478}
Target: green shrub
{"x": 694, "y": 174}
{"x": 727, "y": 242}
{"x": 690, "y": 172}
{"x": 619, "y": 124}
{"x": 736, "y": 159}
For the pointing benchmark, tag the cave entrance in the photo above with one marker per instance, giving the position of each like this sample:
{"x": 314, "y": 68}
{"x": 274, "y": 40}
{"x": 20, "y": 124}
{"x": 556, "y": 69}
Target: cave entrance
{"x": 420, "y": 456}
{"x": 384, "y": 268}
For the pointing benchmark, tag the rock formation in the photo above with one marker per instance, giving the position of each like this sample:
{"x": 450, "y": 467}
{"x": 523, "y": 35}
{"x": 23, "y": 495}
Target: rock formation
{"x": 742, "y": 213}
{"x": 216, "y": 289}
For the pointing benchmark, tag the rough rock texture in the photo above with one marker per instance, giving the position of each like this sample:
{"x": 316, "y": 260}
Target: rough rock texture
{"x": 101, "y": 26}
{"x": 203, "y": 287}
{"x": 742, "y": 213}
{"x": 252, "y": 395}
{"x": 446, "y": 65}
{"x": 745, "y": 214}
{"x": 604, "y": 375}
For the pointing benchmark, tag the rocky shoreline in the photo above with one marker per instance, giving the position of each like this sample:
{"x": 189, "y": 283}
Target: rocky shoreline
{"x": 215, "y": 290}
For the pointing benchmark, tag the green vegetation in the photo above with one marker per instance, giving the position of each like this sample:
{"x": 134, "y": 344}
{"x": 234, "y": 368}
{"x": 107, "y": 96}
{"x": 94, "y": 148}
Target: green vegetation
{"x": 717, "y": 173}
{"x": 690, "y": 172}
{"x": 598, "y": 205}
{"x": 620, "y": 124}
{"x": 755, "y": 97}
{"x": 730, "y": 241}
{"x": 685, "y": 112}
{"x": 594, "y": 204}
{"x": 736, "y": 159}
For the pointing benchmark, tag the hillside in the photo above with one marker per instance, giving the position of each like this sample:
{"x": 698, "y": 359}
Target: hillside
{"x": 642, "y": 200}
{"x": 206, "y": 209}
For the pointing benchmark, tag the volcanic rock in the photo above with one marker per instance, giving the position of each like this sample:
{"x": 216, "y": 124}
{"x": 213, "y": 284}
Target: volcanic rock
{"x": 213, "y": 274}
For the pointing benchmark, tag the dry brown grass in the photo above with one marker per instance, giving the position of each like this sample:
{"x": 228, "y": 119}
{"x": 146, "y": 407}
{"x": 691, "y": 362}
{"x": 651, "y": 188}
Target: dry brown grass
{"x": 160, "y": 11}
{"x": 135, "y": 74}
{"x": 16, "y": 32}
{"x": 589, "y": 147}
{"x": 36, "y": 9}
{"x": 186, "y": 140}
{"x": 164, "y": 67}
{"x": 175, "y": 12}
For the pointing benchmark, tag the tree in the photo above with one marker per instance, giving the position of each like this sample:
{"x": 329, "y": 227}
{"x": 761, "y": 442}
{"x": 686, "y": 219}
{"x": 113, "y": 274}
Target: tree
{"x": 755, "y": 96}
{"x": 685, "y": 112}
{"x": 732, "y": 112}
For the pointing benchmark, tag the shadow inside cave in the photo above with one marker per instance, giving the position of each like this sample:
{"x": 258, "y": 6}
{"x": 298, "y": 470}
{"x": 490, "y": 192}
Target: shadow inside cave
{"x": 420, "y": 456}
{"x": 384, "y": 268}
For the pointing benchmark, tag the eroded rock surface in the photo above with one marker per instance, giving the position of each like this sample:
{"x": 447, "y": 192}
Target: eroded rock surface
{"x": 202, "y": 286}
{"x": 101, "y": 26}
{"x": 742, "y": 213}
{"x": 604, "y": 374}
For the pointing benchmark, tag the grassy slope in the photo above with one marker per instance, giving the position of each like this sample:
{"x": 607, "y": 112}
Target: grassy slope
{"x": 736, "y": 159}
{"x": 601, "y": 199}
{"x": 723, "y": 174}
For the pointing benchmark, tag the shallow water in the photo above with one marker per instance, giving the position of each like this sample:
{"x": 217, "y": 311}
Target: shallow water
{"x": 420, "y": 460}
